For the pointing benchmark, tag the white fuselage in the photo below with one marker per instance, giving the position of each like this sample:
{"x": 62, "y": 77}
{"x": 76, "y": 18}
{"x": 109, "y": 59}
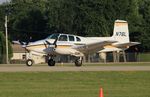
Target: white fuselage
{"x": 68, "y": 47}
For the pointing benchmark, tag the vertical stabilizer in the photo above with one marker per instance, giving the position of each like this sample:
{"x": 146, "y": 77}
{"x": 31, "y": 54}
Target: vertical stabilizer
{"x": 121, "y": 32}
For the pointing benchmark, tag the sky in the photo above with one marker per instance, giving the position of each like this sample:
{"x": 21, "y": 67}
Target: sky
{"x": 1, "y": 1}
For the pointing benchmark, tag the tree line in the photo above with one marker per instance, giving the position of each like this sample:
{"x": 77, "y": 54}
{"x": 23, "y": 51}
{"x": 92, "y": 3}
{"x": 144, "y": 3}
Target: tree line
{"x": 3, "y": 49}
{"x": 33, "y": 20}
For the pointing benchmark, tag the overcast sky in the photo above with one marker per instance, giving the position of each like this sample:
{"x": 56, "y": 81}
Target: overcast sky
{"x": 1, "y": 1}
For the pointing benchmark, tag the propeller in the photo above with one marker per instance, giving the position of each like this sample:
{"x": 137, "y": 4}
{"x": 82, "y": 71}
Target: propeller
{"x": 24, "y": 44}
{"x": 52, "y": 44}
{"x": 20, "y": 43}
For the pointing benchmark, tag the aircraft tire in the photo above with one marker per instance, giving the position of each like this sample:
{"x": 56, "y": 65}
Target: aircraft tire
{"x": 51, "y": 62}
{"x": 29, "y": 62}
{"x": 78, "y": 63}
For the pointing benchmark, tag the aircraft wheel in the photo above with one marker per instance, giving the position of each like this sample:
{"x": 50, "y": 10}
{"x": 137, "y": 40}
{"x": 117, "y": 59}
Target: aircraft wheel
{"x": 29, "y": 62}
{"x": 51, "y": 62}
{"x": 78, "y": 62}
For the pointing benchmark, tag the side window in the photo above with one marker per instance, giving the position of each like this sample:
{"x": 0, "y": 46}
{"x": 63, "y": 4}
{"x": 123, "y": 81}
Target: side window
{"x": 63, "y": 38}
{"x": 71, "y": 38}
{"x": 78, "y": 39}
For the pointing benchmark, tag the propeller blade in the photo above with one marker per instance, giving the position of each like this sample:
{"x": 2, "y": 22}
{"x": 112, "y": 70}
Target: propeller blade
{"x": 52, "y": 44}
{"x": 48, "y": 42}
{"x": 55, "y": 42}
{"x": 21, "y": 42}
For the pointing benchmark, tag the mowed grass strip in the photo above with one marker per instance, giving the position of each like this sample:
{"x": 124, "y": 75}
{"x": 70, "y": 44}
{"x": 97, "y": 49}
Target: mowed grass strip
{"x": 75, "y": 84}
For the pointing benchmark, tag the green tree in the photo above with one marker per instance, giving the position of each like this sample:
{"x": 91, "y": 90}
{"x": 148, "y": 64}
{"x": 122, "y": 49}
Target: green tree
{"x": 29, "y": 18}
{"x": 3, "y": 49}
{"x": 144, "y": 35}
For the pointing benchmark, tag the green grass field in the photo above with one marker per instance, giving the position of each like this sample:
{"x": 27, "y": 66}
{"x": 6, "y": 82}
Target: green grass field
{"x": 144, "y": 57}
{"x": 75, "y": 84}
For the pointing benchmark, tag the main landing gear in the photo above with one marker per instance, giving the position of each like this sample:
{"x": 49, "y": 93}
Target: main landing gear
{"x": 51, "y": 62}
{"x": 78, "y": 62}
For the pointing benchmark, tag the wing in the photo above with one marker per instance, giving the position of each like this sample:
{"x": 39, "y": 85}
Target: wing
{"x": 92, "y": 47}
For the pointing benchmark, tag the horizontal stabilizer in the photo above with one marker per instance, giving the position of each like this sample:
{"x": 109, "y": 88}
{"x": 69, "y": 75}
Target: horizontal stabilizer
{"x": 126, "y": 44}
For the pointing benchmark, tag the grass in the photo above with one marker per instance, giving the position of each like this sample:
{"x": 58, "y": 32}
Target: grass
{"x": 75, "y": 84}
{"x": 144, "y": 57}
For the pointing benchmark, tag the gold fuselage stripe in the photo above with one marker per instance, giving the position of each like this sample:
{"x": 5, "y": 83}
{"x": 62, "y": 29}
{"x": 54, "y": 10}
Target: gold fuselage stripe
{"x": 45, "y": 46}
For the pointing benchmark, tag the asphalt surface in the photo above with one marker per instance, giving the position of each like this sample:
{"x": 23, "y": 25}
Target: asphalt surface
{"x": 23, "y": 68}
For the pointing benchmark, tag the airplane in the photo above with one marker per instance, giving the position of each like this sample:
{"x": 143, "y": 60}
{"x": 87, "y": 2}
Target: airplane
{"x": 78, "y": 46}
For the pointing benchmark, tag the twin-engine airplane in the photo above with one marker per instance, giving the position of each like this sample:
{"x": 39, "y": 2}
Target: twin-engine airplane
{"x": 67, "y": 44}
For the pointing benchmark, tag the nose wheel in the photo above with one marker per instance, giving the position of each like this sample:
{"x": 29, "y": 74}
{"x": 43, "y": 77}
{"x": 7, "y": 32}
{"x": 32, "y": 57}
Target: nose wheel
{"x": 29, "y": 62}
{"x": 51, "y": 62}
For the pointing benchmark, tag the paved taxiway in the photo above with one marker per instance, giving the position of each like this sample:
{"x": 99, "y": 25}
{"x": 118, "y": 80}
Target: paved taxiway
{"x": 22, "y": 68}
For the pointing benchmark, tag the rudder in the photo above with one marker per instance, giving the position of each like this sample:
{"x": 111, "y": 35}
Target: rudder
{"x": 121, "y": 32}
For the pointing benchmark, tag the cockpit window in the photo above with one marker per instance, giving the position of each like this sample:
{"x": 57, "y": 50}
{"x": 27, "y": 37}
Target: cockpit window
{"x": 71, "y": 38}
{"x": 53, "y": 36}
{"x": 63, "y": 38}
{"x": 78, "y": 39}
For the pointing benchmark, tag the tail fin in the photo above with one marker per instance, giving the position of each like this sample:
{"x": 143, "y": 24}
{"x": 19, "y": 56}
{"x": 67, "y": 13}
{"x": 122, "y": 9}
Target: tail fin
{"x": 121, "y": 32}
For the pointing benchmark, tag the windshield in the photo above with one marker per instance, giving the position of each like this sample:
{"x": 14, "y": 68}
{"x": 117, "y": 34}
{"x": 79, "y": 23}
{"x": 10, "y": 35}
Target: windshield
{"x": 53, "y": 36}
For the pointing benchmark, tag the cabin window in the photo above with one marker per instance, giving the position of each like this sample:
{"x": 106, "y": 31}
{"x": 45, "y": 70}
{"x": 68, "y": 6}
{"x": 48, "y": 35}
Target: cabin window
{"x": 63, "y": 38}
{"x": 78, "y": 39}
{"x": 53, "y": 36}
{"x": 71, "y": 38}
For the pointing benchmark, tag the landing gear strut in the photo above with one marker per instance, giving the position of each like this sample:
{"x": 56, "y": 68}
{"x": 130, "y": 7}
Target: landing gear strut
{"x": 78, "y": 62}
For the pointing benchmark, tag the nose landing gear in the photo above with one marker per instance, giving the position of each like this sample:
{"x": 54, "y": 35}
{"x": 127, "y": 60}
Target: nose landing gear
{"x": 29, "y": 62}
